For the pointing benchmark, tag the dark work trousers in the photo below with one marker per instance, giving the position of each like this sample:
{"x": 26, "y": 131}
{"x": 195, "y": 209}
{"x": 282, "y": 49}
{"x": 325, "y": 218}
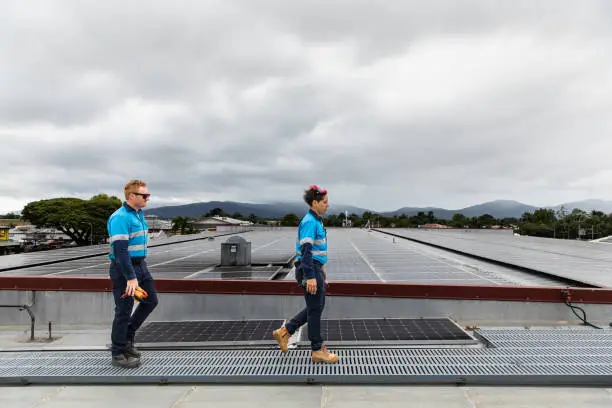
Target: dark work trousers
{"x": 312, "y": 312}
{"x": 125, "y": 323}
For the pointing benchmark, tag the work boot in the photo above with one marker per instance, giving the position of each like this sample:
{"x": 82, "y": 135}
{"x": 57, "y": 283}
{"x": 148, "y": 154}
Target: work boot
{"x": 282, "y": 338}
{"x": 125, "y": 362}
{"x": 324, "y": 356}
{"x": 131, "y": 351}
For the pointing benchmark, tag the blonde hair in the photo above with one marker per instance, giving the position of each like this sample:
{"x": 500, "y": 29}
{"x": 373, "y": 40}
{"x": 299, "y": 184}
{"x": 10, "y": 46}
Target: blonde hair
{"x": 132, "y": 186}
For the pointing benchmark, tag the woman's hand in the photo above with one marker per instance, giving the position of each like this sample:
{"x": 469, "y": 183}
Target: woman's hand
{"x": 311, "y": 286}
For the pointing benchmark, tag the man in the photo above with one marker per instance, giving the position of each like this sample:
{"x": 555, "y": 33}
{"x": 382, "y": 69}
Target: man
{"x": 128, "y": 232}
{"x": 311, "y": 249}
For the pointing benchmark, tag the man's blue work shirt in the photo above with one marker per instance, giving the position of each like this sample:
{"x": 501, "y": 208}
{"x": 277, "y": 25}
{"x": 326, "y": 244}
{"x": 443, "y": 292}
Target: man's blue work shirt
{"x": 311, "y": 243}
{"x": 128, "y": 232}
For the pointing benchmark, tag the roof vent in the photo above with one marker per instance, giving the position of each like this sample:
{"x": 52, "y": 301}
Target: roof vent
{"x": 236, "y": 251}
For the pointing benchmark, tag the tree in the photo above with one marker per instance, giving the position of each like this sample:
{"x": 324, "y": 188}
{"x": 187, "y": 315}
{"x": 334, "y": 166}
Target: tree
{"x": 216, "y": 212}
{"x": 509, "y": 221}
{"x": 430, "y": 217}
{"x": 334, "y": 220}
{"x": 486, "y": 220}
{"x": 181, "y": 224}
{"x": 82, "y": 220}
{"x": 290, "y": 220}
{"x": 545, "y": 216}
{"x": 459, "y": 220}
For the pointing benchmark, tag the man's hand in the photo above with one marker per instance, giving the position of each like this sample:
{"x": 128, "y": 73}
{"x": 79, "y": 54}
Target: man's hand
{"x": 311, "y": 286}
{"x": 132, "y": 284}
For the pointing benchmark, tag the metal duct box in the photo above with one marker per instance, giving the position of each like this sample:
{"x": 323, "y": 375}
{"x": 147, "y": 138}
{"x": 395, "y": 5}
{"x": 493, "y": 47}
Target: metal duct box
{"x": 236, "y": 251}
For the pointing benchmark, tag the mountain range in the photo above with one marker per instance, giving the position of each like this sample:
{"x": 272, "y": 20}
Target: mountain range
{"x": 497, "y": 208}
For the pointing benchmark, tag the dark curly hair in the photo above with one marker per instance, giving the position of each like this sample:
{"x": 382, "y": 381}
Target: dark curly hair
{"x": 314, "y": 193}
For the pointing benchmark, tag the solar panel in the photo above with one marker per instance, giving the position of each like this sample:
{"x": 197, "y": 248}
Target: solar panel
{"x": 67, "y": 254}
{"x": 186, "y": 257}
{"x": 355, "y": 255}
{"x": 391, "y": 331}
{"x": 211, "y": 332}
{"x": 358, "y": 255}
{"x": 345, "y": 332}
{"x": 578, "y": 260}
{"x": 236, "y": 275}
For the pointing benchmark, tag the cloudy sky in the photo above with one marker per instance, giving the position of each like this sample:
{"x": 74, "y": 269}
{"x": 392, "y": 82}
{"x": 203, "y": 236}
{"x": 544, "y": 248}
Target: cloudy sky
{"x": 385, "y": 103}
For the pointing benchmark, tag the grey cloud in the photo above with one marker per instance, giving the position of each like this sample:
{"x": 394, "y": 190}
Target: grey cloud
{"x": 386, "y": 103}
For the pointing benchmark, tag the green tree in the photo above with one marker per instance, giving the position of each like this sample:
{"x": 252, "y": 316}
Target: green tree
{"x": 486, "y": 220}
{"x": 509, "y": 221}
{"x": 459, "y": 220}
{"x": 83, "y": 221}
{"x": 182, "y": 225}
{"x": 357, "y": 221}
{"x": 333, "y": 221}
{"x": 290, "y": 220}
{"x": 216, "y": 212}
{"x": 545, "y": 216}
{"x": 430, "y": 217}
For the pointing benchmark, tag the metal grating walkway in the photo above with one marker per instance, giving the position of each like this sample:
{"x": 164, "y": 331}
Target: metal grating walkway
{"x": 519, "y": 357}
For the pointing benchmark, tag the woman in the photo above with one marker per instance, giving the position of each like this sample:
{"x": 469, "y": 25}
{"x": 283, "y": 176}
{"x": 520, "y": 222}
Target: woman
{"x": 311, "y": 247}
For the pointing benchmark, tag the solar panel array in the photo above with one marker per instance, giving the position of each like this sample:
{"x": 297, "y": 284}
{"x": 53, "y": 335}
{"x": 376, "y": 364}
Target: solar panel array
{"x": 183, "y": 259}
{"x": 358, "y": 255}
{"x": 62, "y": 254}
{"x": 354, "y": 255}
{"x": 347, "y": 331}
{"x": 335, "y": 332}
{"x": 209, "y": 331}
{"x": 579, "y": 260}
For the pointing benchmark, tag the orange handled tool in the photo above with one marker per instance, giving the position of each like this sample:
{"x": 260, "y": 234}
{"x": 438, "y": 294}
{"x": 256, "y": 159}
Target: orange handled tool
{"x": 139, "y": 294}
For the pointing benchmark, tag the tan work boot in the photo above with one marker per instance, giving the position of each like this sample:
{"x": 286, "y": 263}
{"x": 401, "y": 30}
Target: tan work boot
{"x": 282, "y": 338}
{"x": 324, "y": 356}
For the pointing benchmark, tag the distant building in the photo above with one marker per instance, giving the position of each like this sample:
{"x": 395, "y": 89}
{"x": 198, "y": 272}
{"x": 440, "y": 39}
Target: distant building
{"x": 209, "y": 223}
{"x": 157, "y": 224}
{"x": 435, "y": 226}
{"x": 30, "y": 235}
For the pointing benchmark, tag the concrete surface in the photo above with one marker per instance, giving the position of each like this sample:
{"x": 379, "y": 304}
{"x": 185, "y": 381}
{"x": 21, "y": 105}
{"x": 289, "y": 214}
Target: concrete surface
{"x": 303, "y": 396}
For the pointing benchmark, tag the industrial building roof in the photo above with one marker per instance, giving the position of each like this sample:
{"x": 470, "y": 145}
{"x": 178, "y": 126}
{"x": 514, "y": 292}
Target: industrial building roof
{"x": 503, "y": 289}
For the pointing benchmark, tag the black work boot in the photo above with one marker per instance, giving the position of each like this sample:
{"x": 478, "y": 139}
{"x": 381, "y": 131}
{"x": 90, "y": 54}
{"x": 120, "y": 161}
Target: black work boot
{"x": 125, "y": 361}
{"x": 131, "y": 351}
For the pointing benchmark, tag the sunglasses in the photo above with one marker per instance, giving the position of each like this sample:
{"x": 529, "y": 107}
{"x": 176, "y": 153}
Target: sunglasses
{"x": 317, "y": 189}
{"x": 145, "y": 196}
